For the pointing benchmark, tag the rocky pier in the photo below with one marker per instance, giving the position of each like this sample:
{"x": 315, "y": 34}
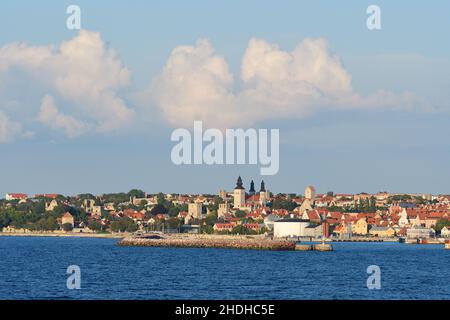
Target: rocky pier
{"x": 232, "y": 243}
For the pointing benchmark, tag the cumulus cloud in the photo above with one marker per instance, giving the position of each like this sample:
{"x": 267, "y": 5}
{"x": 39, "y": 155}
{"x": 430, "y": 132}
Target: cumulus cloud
{"x": 84, "y": 72}
{"x": 9, "y": 130}
{"x": 196, "y": 84}
{"x": 53, "y": 118}
{"x": 76, "y": 86}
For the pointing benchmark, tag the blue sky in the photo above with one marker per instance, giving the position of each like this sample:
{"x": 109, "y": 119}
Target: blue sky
{"x": 341, "y": 149}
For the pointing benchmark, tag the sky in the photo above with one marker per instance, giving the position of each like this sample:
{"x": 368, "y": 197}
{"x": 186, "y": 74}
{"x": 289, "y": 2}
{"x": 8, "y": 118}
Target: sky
{"x": 93, "y": 110}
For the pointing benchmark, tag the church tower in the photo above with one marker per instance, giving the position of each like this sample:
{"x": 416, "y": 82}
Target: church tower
{"x": 310, "y": 193}
{"x": 251, "y": 191}
{"x": 239, "y": 194}
{"x": 263, "y": 194}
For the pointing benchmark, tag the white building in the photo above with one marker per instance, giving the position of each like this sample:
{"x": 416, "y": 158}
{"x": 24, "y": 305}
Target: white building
{"x": 445, "y": 232}
{"x": 403, "y": 221}
{"x": 419, "y": 232}
{"x": 16, "y": 196}
{"x": 290, "y": 227}
{"x": 314, "y": 231}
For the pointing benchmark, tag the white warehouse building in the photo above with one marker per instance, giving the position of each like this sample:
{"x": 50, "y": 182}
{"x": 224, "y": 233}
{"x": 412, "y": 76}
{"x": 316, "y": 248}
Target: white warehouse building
{"x": 290, "y": 227}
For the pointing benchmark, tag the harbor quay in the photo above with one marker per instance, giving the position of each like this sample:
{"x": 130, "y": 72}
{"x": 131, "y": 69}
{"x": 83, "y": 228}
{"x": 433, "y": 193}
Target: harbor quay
{"x": 223, "y": 242}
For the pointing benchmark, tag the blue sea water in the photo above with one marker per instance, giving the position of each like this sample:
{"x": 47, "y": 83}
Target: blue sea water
{"x": 35, "y": 268}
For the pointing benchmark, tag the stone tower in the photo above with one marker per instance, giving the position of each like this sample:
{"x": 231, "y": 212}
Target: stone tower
{"x": 262, "y": 194}
{"x": 310, "y": 193}
{"x": 239, "y": 194}
{"x": 195, "y": 210}
{"x": 224, "y": 208}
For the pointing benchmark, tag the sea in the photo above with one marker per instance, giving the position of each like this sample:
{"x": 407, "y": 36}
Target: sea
{"x": 41, "y": 267}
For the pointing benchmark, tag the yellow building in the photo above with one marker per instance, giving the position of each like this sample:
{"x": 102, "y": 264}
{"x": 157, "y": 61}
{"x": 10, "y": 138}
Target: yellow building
{"x": 50, "y": 206}
{"x": 383, "y": 232}
{"x": 360, "y": 227}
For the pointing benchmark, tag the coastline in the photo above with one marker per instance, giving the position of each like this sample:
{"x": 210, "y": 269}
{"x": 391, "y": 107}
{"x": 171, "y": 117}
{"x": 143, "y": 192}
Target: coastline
{"x": 66, "y": 235}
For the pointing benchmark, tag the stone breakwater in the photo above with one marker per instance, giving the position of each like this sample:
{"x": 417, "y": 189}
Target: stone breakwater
{"x": 249, "y": 244}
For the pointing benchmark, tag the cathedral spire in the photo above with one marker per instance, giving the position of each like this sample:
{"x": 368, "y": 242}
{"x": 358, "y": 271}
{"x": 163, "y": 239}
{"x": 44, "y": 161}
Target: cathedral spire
{"x": 252, "y": 188}
{"x": 263, "y": 187}
{"x": 239, "y": 183}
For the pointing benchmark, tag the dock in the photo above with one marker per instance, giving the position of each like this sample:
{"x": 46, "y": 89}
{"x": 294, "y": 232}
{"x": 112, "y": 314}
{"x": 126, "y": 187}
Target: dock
{"x": 363, "y": 239}
{"x": 314, "y": 247}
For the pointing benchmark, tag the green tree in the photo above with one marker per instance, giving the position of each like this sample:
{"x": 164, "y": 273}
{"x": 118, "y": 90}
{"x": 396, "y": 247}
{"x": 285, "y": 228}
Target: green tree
{"x": 241, "y": 229}
{"x": 86, "y": 196}
{"x": 116, "y": 198}
{"x": 335, "y": 209}
{"x": 240, "y": 214}
{"x": 161, "y": 199}
{"x": 211, "y": 219}
{"x": 95, "y": 226}
{"x": 208, "y": 229}
{"x": 5, "y": 219}
{"x": 440, "y": 224}
{"x": 284, "y": 204}
{"x": 173, "y": 223}
{"x": 157, "y": 209}
{"x": 174, "y": 211}
{"x": 136, "y": 193}
{"x": 47, "y": 223}
{"x": 124, "y": 224}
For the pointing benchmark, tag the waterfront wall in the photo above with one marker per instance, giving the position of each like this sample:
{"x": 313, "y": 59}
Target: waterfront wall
{"x": 234, "y": 243}
{"x": 63, "y": 234}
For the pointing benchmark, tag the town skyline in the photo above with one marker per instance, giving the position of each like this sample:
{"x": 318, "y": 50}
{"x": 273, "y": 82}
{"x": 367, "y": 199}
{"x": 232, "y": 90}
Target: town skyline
{"x": 298, "y": 192}
{"x": 255, "y": 210}
{"x": 248, "y": 187}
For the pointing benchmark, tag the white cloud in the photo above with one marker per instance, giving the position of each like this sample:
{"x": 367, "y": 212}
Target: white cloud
{"x": 196, "y": 84}
{"x": 84, "y": 72}
{"x": 86, "y": 78}
{"x": 9, "y": 130}
{"x": 53, "y": 118}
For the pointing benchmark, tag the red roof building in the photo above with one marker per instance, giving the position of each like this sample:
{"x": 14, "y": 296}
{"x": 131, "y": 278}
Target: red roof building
{"x": 16, "y": 196}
